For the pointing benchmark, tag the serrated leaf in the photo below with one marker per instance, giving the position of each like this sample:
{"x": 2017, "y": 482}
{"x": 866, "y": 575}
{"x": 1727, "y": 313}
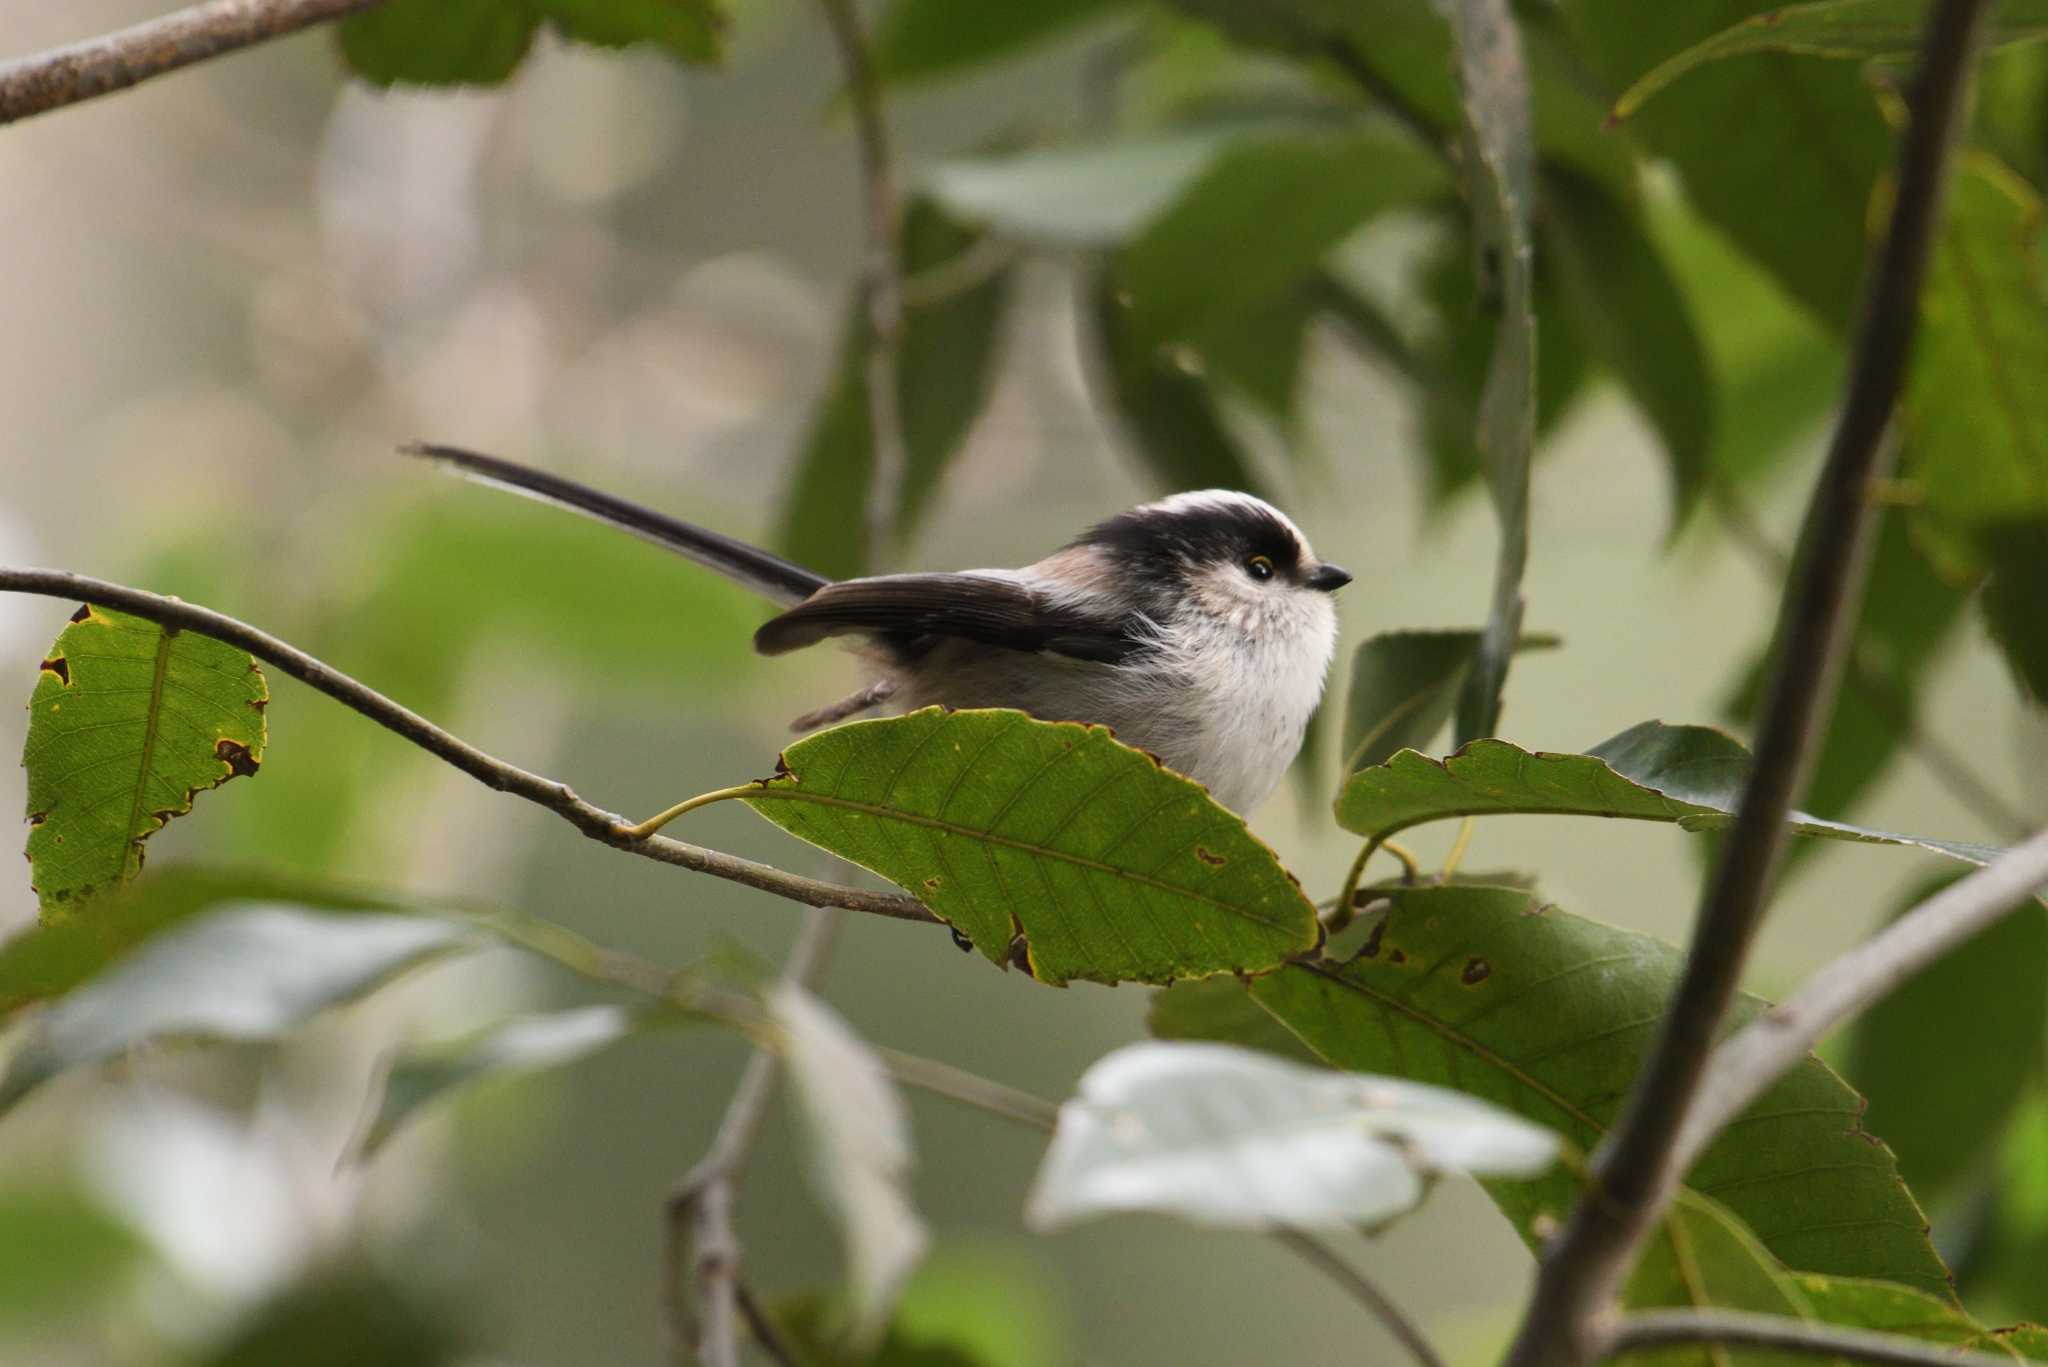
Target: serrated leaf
{"x": 860, "y": 1151}
{"x": 917, "y": 40}
{"x": 945, "y": 370}
{"x": 1228, "y": 1136}
{"x": 127, "y": 723}
{"x": 1976, "y": 430}
{"x": 1623, "y": 300}
{"x": 1941, "y": 1097}
{"x": 1218, "y": 248}
{"x": 1403, "y": 686}
{"x": 1733, "y": 128}
{"x": 1501, "y": 994}
{"x": 1856, "y": 30}
{"x": 420, "y": 1075}
{"x": 1163, "y": 402}
{"x": 1110, "y": 866}
{"x": 1494, "y": 100}
{"x": 1688, "y": 775}
{"x": 246, "y": 973}
{"x": 438, "y": 42}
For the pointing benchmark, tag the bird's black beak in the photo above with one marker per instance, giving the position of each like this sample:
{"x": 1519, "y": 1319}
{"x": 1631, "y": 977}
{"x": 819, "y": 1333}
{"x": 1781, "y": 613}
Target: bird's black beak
{"x": 1328, "y": 578}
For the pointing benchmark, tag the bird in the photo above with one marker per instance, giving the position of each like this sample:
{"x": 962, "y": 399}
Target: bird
{"x": 1199, "y": 627}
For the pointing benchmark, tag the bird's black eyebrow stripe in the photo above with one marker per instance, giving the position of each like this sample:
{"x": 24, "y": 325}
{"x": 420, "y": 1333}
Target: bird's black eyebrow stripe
{"x": 1198, "y": 533}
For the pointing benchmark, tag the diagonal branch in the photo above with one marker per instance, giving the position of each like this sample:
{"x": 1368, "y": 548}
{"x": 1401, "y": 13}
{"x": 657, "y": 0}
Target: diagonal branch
{"x": 1634, "y": 1177}
{"x": 1741, "y": 1329}
{"x": 606, "y": 827}
{"x": 100, "y": 66}
{"x": 1746, "y": 1066}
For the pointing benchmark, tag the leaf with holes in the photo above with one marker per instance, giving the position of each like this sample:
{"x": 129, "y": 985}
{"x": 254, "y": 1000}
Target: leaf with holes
{"x": 1497, "y": 993}
{"x": 1109, "y": 866}
{"x": 1853, "y": 30}
{"x": 128, "y": 721}
{"x": 1689, "y": 775}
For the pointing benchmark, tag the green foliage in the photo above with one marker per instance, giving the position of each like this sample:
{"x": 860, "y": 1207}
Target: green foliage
{"x": 1940, "y": 1096}
{"x": 1403, "y": 685}
{"x": 945, "y": 370}
{"x": 60, "y": 1254}
{"x": 128, "y": 722}
{"x": 919, "y": 40}
{"x": 1499, "y": 993}
{"x": 481, "y": 42}
{"x": 1690, "y": 775}
{"x": 341, "y": 1316}
{"x": 1106, "y": 865}
{"x": 1858, "y": 30}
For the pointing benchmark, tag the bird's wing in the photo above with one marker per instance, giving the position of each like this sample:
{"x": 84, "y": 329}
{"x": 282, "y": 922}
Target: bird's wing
{"x": 908, "y": 611}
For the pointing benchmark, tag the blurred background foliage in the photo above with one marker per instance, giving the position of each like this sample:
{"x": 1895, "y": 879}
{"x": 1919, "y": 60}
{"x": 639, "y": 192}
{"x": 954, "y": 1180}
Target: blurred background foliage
{"x": 236, "y": 290}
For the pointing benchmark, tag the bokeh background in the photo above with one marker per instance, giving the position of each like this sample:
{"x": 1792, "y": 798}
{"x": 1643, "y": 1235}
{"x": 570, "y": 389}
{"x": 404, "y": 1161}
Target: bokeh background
{"x": 230, "y": 293}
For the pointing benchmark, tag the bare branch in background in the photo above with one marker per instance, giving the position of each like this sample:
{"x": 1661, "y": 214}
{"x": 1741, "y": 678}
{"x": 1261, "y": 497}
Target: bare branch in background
{"x": 1363, "y": 1290}
{"x": 881, "y": 284}
{"x": 600, "y": 825}
{"x": 100, "y": 66}
{"x": 1633, "y": 1178}
{"x": 1776, "y": 1042}
{"x": 1741, "y": 1329}
{"x": 703, "y": 1247}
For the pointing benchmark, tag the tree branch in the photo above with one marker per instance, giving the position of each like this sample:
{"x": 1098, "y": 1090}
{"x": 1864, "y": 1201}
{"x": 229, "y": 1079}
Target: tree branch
{"x": 1741, "y": 1329}
{"x": 1363, "y": 1290}
{"x": 1746, "y": 1066}
{"x": 606, "y": 827}
{"x": 100, "y": 66}
{"x": 881, "y": 279}
{"x": 702, "y": 1241}
{"x": 1633, "y": 1178}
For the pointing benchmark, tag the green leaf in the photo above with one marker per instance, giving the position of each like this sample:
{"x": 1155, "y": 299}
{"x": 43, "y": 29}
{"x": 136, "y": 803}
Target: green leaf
{"x": 342, "y": 1314}
{"x": 127, "y": 723}
{"x": 2012, "y": 601}
{"x": 1258, "y": 352}
{"x": 1219, "y": 248}
{"x": 860, "y": 1154}
{"x": 1976, "y": 428}
{"x": 419, "y": 1075}
{"x": 1501, "y": 994}
{"x": 61, "y": 1253}
{"x": 1689, "y": 775}
{"x": 919, "y": 39}
{"x": 1221, "y": 1011}
{"x": 945, "y": 370}
{"x": 49, "y": 960}
{"x": 249, "y": 973}
{"x": 1093, "y": 194}
{"x": 690, "y": 30}
{"x": 1791, "y": 111}
{"x": 1623, "y": 300}
{"x": 438, "y": 42}
{"x": 1403, "y": 685}
{"x": 1108, "y": 865}
{"x": 1857, "y": 30}
{"x": 1228, "y": 1136}
{"x": 1164, "y": 402}
{"x": 1941, "y": 1094}
{"x": 966, "y": 1306}
{"x": 1500, "y": 160}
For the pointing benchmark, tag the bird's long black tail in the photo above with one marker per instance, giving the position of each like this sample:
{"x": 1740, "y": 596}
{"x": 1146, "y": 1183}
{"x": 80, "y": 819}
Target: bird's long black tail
{"x": 759, "y": 570}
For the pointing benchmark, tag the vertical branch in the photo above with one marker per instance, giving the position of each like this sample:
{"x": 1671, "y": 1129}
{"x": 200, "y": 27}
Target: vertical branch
{"x": 881, "y": 282}
{"x": 1633, "y": 1179}
{"x": 100, "y": 66}
{"x": 703, "y": 1247}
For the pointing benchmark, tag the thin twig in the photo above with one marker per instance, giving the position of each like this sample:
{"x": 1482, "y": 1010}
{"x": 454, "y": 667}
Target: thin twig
{"x": 1874, "y": 683}
{"x": 600, "y": 825}
{"x": 762, "y": 1326}
{"x": 1742, "y": 1329}
{"x": 881, "y": 283}
{"x": 703, "y": 1247}
{"x": 1362, "y": 1288}
{"x": 1634, "y": 1177}
{"x": 100, "y": 66}
{"x": 1746, "y": 1066}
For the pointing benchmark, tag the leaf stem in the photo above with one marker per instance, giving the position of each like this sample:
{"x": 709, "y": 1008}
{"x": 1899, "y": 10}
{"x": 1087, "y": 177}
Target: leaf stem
{"x": 1742, "y": 1329}
{"x": 688, "y": 804}
{"x": 605, "y": 827}
{"x": 1634, "y": 1177}
{"x": 1344, "y": 910}
{"x": 100, "y": 66}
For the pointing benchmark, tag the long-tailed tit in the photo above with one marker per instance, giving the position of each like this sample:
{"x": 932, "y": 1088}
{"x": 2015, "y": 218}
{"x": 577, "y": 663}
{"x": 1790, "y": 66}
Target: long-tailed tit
{"x": 1199, "y": 627}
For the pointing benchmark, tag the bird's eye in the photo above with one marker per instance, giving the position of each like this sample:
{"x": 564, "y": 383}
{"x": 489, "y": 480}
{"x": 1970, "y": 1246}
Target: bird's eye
{"x": 1259, "y": 567}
